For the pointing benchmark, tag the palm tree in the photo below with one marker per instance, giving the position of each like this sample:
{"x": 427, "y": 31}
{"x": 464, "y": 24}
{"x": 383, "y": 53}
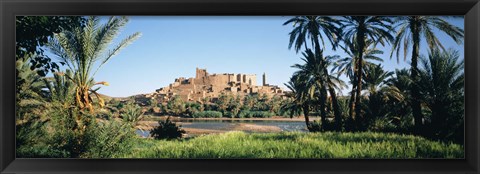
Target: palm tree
{"x": 411, "y": 31}
{"x": 302, "y": 96}
{"x": 316, "y": 28}
{"x": 60, "y": 88}
{"x": 375, "y": 78}
{"x": 359, "y": 29}
{"x": 30, "y": 106}
{"x": 311, "y": 73}
{"x": 399, "y": 109}
{"x": 333, "y": 82}
{"x": 442, "y": 87}
{"x": 82, "y": 47}
{"x": 30, "y": 97}
{"x": 379, "y": 91}
{"x": 313, "y": 76}
{"x": 348, "y": 65}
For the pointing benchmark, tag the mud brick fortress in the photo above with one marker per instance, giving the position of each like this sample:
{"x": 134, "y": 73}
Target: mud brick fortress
{"x": 206, "y": 85}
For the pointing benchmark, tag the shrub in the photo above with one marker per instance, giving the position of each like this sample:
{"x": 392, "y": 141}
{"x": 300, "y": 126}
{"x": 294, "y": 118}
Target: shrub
{"x": 176, "y": 106}
{"x": 108, "y": 139}
{"x": 210, "y": 106}
{"x": 263, "y": 114}
{"x": 192, "y": 108}
{"x": 380, "y": 124}
{"x": 31, "y": 142}
{"x": 229, "y": 114}
{"x": 256, "y": 114}
{"x": 131, "y": 113}
{"x": 92, "y": 139}
{"x": 208, "y": 114}
{"x": 167, "y": 130}
{"x": 244, "y": 114}
{"x": 65, "y": 133}
{"x": 315, "y": 126}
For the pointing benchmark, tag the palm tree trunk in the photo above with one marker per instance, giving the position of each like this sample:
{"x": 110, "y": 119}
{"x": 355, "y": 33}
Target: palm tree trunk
{"x": 416, "y": 108}
{"x": 361, "y": 45}
{"x": 323, "y": 90}
{"x": 351, "y": 103}
{"x": 305, "y": 114}
{"x": 336, "y": 110}
{"x": 323, "y": 100}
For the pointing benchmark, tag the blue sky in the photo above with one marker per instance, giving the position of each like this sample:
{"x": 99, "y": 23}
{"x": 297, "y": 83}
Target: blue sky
{"x": 173, "y": 46}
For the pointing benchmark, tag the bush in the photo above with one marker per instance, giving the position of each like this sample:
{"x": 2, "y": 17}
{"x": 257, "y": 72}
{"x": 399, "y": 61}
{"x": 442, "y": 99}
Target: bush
{"x": 244, "y": 114}
{"x": 208, "y": 114}
{"x": 65, "y": 133}
{"x": 256, "y": 114}
{"x": 230, "y": 114}
{"x": 176, "y": 106}
{"x": 209, "y": 106}
{"x": 131, "y": 113}
{"x": 382, "y": 125}
{"x": 167, "y": 130}
{"x": 315, "y": 126}
{"x": 108, "y": 139}
{"x": 92, "y": 139}
{"x": 192, "y": 108}
{"x": 31, "y": 142}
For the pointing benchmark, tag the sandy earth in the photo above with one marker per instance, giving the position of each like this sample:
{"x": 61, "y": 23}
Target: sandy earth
{"x": 256, "y": 128}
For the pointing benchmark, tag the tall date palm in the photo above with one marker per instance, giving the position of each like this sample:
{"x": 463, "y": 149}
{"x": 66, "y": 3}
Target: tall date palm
{"x": 301, "y": 97}
{"x": 410, "y": 33}
{"x": 348, "y": 65}
{"x": 82, "y": 47}
{"x": 442, "y": 88}
{"x": 359, "y": 29}
{"x": 316, "y": 28}
{"x": 311, "y": 75}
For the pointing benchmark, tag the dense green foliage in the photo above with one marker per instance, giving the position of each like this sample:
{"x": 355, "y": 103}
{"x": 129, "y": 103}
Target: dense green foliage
{"x": 411, "y": 31}
{"x": 167, "y": 130}
{"x": 426, "y": 100}
{"x": 226, "y": 105}
{"x": 255, "y": 114}
{"x": 208, "y": 114}
{"x": 297, "y": 145}
{"x": 51, "y": 116}
{"x": 442, "y": 89}
{"x": 33, "y": 32}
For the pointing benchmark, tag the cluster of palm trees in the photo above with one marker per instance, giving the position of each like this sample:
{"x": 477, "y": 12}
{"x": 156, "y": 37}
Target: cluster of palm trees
{"x": 68, "y": 100}
{"x": 316, "y": 82}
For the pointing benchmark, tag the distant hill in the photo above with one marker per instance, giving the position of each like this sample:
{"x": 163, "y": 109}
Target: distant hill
{"x": 108, "y": 98}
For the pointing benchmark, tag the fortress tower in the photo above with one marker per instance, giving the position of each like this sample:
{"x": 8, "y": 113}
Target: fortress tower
{"x": 201, "y": 73}
{"x": 264, "y": 79}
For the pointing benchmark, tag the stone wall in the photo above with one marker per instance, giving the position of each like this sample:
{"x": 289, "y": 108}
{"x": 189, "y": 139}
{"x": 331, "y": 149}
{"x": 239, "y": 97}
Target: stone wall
{"x": 218, "y": 79}
{"x": 250, "y": 79}
{"x": 201, "y": 73}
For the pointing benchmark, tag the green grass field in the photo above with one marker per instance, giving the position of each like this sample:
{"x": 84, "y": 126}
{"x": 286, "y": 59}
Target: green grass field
{"x": 297, "y": 145}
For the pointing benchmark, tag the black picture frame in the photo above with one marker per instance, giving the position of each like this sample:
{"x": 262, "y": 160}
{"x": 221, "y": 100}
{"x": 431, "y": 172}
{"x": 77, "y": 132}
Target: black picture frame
{"x": 10, "y": 8}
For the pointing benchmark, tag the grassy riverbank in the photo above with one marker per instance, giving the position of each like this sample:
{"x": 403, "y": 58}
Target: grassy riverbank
{"x": 297, "y": 145}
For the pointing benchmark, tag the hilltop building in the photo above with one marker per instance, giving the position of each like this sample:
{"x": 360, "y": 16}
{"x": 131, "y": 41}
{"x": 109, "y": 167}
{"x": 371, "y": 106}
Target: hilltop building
{"x": 205, "y": 85}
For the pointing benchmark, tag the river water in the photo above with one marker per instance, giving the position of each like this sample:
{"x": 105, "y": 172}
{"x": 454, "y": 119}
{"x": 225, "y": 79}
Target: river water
{"x": 226, "y": 125}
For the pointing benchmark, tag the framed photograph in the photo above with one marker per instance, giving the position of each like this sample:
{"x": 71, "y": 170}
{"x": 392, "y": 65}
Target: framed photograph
{"x": 239, "y": 86}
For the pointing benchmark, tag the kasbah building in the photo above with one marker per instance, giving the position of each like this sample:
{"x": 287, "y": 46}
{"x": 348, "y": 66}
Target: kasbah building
{"x": 210, "y": 86}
